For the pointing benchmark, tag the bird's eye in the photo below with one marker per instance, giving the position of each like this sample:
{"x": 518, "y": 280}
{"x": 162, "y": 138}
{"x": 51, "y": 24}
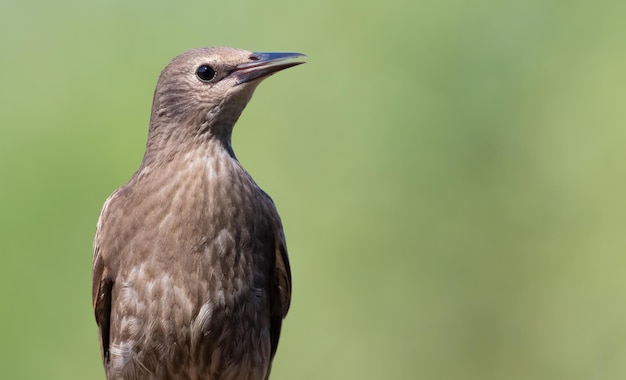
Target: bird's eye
{"x": 205, "y": 73}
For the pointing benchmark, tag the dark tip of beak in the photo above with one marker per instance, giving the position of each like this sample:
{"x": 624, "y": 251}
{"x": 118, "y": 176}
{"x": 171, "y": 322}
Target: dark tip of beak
{"x": 262, "y": 65}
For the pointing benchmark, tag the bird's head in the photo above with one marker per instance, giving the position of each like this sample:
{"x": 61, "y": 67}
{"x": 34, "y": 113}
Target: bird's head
{"x": 203, "y": 91}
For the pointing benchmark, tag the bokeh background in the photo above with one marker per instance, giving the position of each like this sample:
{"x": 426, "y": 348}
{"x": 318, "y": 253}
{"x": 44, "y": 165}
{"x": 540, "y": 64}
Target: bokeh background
{"x": 451, "y": 176}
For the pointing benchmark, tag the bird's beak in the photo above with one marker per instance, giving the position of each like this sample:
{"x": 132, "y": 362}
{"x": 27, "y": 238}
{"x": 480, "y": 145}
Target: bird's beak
{"x": 265, "y": 64}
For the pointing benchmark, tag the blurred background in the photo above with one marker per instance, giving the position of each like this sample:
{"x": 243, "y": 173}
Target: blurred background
{"x": 451, "y": 176}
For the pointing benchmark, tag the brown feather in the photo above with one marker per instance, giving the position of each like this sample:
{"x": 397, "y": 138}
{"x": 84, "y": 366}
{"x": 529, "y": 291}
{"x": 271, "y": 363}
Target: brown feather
{"x": 191, "y": 277}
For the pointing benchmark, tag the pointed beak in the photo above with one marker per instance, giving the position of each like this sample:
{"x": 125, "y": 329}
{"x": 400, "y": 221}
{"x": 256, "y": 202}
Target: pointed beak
{"x": 262, "y": 65}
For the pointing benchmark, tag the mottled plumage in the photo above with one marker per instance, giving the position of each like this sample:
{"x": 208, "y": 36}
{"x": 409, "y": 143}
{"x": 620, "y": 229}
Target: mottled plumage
{"x": 191, "y": 278}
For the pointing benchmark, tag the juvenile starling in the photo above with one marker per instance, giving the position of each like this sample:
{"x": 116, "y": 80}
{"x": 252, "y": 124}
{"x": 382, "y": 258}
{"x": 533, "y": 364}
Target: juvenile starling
{"x": 191, "y": 277}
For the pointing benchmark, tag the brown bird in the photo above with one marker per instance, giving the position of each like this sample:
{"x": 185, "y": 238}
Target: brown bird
{"x": 191, "y": 277}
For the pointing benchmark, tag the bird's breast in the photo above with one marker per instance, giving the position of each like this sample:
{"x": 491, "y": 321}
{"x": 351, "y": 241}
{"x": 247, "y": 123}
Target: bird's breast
{"x": 194, "y": 267}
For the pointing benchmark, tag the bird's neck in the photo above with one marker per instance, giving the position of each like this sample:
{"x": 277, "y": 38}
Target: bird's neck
{"x": 176, "y": 142}
{"x": 219, "y": 134}
{"x": 177, "y": 125}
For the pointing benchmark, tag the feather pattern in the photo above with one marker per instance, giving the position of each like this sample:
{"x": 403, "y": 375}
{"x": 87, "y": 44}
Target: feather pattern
{"x": 191, "y": 277}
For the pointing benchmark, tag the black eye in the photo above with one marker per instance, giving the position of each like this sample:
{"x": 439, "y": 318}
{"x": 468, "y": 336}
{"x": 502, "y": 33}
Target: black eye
{"x": 205, "y": 73}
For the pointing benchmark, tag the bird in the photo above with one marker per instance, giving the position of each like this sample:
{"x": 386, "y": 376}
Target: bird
{"x": 191, "y": 277}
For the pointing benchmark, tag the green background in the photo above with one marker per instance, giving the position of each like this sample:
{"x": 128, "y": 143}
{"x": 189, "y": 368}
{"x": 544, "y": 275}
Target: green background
{"x": 451, "y": 176}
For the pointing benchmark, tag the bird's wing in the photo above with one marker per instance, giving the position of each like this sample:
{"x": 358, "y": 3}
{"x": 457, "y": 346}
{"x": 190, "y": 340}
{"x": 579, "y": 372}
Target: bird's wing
{"x": 101, "y": 291}
{"x": 282, "y": 275}
{"x": 102, "y": 285}
{"x": 280, "y": 294}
